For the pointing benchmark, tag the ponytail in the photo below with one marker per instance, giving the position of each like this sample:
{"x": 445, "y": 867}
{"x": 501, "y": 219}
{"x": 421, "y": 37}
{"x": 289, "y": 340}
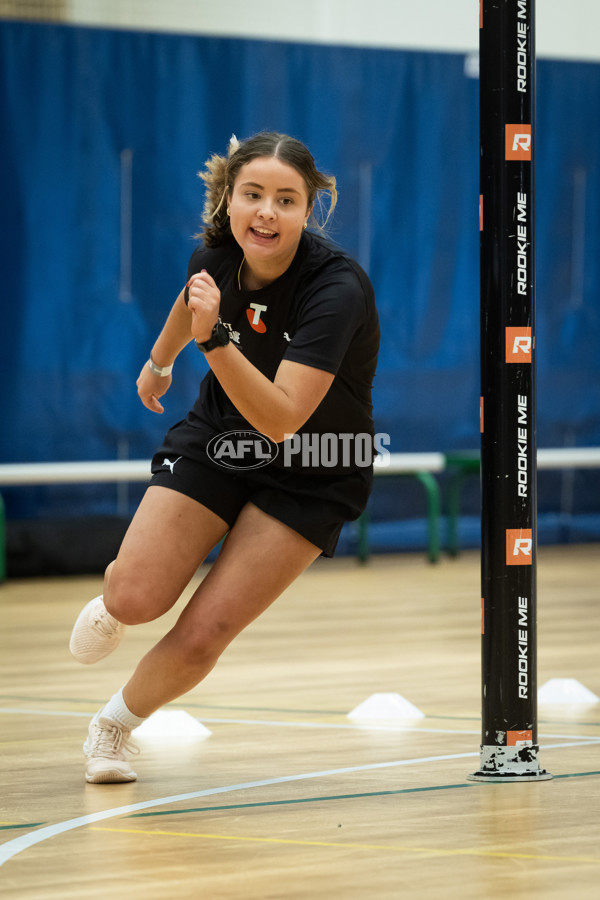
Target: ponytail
{"x": 221, "y": 172}
{"x": 215, "y": 177}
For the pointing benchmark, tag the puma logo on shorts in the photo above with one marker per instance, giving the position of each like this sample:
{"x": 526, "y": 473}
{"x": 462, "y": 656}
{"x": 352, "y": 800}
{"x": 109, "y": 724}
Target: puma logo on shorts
{"x": 171, "y": 465}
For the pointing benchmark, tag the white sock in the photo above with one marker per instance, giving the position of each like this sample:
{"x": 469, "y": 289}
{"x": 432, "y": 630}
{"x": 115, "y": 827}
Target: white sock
{"x": 117, "y": 710}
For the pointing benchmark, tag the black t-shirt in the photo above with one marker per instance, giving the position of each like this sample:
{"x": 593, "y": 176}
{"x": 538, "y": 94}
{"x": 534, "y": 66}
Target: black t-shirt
{"x": 321, "y": 313}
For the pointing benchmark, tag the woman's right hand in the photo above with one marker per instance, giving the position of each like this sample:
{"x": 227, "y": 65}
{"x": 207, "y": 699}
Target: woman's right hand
{"x": 151, "y": 387}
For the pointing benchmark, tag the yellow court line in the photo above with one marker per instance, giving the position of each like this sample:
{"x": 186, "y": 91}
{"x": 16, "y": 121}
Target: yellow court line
{"x": 345, "y": 846}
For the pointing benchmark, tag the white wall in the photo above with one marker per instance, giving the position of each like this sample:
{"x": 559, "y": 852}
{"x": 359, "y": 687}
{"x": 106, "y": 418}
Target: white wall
{"x": 565, "y": 29}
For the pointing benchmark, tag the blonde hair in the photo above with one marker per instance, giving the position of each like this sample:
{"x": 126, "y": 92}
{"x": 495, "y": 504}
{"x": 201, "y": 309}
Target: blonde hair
{"x": 221, "y": 172}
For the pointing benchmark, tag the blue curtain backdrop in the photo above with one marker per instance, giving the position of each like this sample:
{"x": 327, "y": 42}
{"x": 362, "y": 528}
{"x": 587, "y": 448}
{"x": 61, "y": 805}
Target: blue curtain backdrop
{"x": 91, "y": 118}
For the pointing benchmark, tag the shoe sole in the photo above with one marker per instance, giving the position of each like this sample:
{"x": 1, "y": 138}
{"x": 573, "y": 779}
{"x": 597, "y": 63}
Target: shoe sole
{"x": 110, "y": 776}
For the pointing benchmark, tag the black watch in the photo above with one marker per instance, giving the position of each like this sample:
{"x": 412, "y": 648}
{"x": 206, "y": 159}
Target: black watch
{"x": 218, "y": 338}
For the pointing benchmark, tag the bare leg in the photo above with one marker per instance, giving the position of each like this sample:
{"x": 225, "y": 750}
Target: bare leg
{"x": 169, "y": 537}
{"x": 259, "y": 559}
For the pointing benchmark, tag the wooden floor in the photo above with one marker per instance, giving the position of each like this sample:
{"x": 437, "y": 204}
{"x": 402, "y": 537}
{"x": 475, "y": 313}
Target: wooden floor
{"x": 288, "y": 797}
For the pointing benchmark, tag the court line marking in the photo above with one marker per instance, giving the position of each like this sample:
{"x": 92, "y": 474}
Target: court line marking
{"x": 312, "y": 712}
{"x": 11, "y": 848}
{"x": 362, "y": 726}
{"x": 340, "y": 845}
{"x": 186, "y": 705}
{"x": 360, "y": 796}
{"x": 365, "y": 725}
{"x": 292, "y": 801}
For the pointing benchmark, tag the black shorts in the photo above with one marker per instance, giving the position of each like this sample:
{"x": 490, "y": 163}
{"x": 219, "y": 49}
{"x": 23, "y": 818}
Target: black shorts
{"x": 314, "y": 505}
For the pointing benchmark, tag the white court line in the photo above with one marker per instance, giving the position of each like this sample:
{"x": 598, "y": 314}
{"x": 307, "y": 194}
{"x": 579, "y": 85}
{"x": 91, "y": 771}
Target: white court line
{"x": 347, "y": 726}
{"x": 17, "y": 845}
{"x": 358, "y": 726}
{"x": 363, "y": 726}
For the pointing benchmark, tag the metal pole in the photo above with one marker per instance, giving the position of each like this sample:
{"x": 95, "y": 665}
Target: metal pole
{"x": 509, "y": 748}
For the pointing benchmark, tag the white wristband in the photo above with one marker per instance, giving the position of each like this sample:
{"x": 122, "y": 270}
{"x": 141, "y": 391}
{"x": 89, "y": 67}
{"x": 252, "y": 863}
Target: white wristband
{"x": 159, "y": 370}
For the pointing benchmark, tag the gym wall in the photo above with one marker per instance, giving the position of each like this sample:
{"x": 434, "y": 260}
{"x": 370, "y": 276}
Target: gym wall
{"x": 104, "y": 131}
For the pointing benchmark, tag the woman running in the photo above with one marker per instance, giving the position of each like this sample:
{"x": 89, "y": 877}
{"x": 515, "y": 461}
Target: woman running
{"x": 276, "y": 453}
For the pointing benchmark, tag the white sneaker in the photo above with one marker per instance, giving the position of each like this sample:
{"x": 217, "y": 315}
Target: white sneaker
{"x": 105, "y": 748}
{"x": 96, "y": 633}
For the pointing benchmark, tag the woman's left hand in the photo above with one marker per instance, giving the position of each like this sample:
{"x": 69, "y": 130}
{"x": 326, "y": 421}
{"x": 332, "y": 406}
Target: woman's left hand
{"x": 204, "y": 301}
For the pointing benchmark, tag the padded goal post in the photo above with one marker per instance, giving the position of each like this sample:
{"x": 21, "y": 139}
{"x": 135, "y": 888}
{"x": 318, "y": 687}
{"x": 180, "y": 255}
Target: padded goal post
{"x": 509, "y": 748}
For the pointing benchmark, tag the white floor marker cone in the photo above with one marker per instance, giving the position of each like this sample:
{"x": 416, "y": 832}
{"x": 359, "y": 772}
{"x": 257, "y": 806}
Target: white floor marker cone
{"x": 386, "y": 706}
{"x": 566, "y": 690}
{"x": 171, "y": 724}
